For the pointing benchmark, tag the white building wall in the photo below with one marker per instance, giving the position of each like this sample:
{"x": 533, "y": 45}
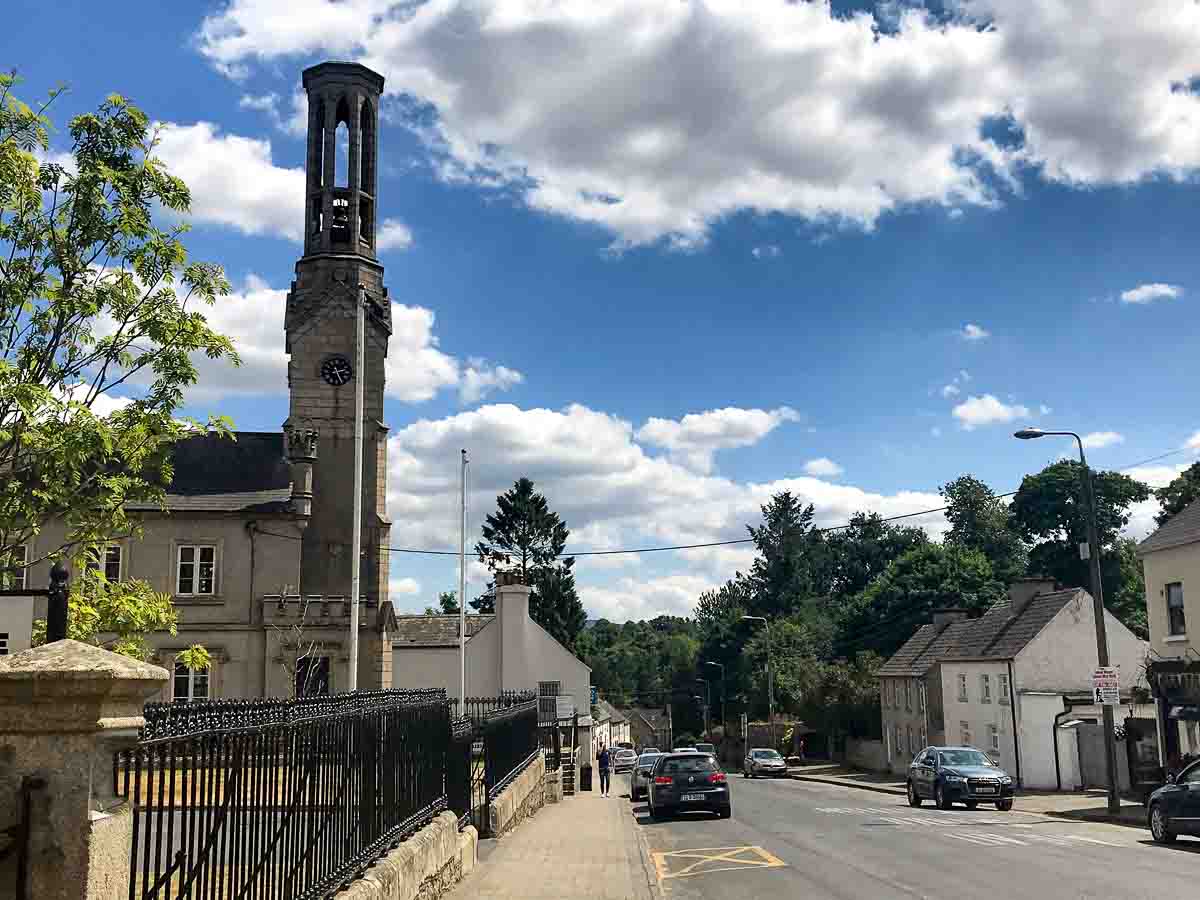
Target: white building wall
{"x": 16, "y": 621}
{"x": 1062, "y": 657}
{"x": 978, "y": 715}
{"x": 1036, "y": 722}
{"x": 427, "y": 667}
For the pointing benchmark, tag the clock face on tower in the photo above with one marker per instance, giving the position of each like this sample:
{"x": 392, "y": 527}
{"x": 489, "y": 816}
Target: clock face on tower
{"x": 337, "y": 370}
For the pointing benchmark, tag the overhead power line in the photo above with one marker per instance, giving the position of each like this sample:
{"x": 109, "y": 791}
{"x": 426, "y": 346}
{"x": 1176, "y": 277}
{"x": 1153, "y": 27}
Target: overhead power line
{"x": 736, "y": 541}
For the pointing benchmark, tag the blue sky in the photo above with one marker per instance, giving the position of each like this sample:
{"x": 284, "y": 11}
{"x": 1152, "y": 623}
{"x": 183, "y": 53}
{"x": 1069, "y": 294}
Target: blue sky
{"x": 661, "y": 257}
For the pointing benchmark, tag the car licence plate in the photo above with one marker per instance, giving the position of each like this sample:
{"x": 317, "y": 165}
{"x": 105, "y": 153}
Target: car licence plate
{"x": 985, "y": 789}
{"x": 689, "y": 797}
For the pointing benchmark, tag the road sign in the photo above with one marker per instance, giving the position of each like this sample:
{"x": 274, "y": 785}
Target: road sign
{"x": 1106, "y": 688}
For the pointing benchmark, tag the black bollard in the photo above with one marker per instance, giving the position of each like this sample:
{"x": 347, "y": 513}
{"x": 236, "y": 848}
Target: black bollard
{"x": 56, "y": 604}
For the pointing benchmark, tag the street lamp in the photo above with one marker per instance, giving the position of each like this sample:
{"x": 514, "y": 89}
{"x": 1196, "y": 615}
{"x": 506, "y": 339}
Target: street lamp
{"x": 724, "y": 724}
{"x": 1093, "y": 541}
{"x": 707, "y": 703}
{"x": 770, "y": 681}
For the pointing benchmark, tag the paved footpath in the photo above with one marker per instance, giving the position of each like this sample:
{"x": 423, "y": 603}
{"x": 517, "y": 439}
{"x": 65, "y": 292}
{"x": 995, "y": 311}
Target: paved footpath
{"x": 586, "y": 846}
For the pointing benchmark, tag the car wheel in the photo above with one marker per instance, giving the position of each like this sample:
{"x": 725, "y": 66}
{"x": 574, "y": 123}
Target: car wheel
{"x": 1004, "y": 805}
{"x": 939, "y": 797}
{"x": 972, "y": 804}
{"x": 914, "y": 799}
{"x": 1159, "y": 829}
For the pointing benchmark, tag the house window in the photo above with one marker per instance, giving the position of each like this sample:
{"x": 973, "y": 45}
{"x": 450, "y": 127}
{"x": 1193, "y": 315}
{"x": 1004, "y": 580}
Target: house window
{"x": 312, "y": 676}
{"x": 962, "y": 687}
{"x": 964, "y": 733}
{"x": 3, "y": 643}
{"x": 994, "y": 739}
{"x": 1175, "y": 620}
{"x": 1003, "y": 686}
{"x": 924, "y": 737}
{"x": 985, "y": 688}
{"x": 190, "y": 686}
{"x": 908, "y": 736}
{"x": 106, "y": 559}
{"x": 899, "y": 748}
{"x": 197, "y": 570}
{"x": 12, "y": 577}
{"x": 547, "y": 700}
{"x": 907, "y": 696}
{"x": 920, "y": 702}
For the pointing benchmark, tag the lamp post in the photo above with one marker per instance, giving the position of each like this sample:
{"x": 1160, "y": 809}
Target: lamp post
{"x": 707, "y": 705}
{"x": 1093, "y": 542}
{"x": 770, "y": 681}
{"x": 724, "y": 724}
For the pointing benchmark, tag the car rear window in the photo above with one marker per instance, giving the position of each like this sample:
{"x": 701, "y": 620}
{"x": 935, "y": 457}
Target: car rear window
{"x": 765, "y": 754}
{"x": 688, "y": 765}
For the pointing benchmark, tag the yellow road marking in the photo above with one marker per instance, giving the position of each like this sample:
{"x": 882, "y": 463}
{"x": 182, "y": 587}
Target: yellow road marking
{"x": 742, "y": 858}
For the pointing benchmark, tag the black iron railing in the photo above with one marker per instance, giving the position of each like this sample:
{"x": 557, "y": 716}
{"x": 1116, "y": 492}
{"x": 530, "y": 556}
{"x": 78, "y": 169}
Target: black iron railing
{"x": 510, "y": 742}
{"x": 477, "y": 709}
{"x": 280, "y": 798}
{"x": 461, "y": 764}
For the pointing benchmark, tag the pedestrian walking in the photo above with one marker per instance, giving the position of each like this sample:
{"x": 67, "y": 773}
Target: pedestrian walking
{"x": 602, "y": 763}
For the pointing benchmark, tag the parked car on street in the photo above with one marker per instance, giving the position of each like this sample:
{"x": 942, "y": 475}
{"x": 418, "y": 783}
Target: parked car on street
{"x": 624, "y": 760}
{"x": 710, "y": 749}
{"x": 639, "y": 781}
{"x": 651, "y": 750}
{"x": 1174, "y": 808}
{"x": 949, "y": 775}
{"x": 763, "y": 761}
{"x": 688, "y": 781}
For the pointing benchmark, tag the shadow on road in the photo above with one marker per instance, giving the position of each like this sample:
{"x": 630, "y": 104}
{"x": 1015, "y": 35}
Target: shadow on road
{"x": 1184, "y": 846}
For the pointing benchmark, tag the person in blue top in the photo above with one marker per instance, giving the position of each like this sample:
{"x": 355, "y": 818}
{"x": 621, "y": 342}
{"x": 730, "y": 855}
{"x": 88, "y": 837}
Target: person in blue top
{"x": 603, "y": 762}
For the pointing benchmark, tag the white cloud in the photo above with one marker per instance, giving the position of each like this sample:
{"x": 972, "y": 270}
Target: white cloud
{"x": 694, "y": 439}
{"x": 1156, "y": 476}
{"x": 987, "y": 410}
{"x": 1193, "y": 443}
{"x": 973, "y": 332}
{"x": 1045, "y": 410}
{"x": 1148, "y": 293}
{"x": 479, "y": 379}
{"x": 233, "y": 180}
{"x": 393, "y": 235}
{"x": 766, "y": 251}
{"x": 823, "y": 467}
{"x": 848, "y": 122}
{"x": 404, "y": 586}
{"x": 950, "y": 390}
{"x": 294, "y": 122}
{"x": 643, "y": 598}
{"x": 1098, "y": 439}
{"x": 610, "y": 492}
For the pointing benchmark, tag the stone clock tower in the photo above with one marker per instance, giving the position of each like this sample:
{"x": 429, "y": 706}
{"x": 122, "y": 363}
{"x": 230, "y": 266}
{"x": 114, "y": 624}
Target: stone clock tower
{"x": 339, "y": 255}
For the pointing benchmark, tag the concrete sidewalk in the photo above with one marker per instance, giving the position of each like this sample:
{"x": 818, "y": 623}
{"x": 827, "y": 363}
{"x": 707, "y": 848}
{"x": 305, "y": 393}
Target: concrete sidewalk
{"x": 586, "y": 846}
{"x": 1089, "y": 806}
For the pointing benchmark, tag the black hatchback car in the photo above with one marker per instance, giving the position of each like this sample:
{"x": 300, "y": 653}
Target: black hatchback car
{"x": 1174, "y": 808}
{"x": 948, "y": 775}
{"x": 688, "y": 781}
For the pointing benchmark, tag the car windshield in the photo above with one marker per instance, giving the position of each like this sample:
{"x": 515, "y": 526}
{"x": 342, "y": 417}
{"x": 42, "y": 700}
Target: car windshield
{"x": 964, "y": 758}
{"x": 647, "y": 759}
{"x": 706, "y": 748}
{"x": 766, "y": 754}
{"x": 688, "y": 765}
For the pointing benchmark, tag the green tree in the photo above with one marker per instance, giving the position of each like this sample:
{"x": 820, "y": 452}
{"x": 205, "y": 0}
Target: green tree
{"x": 524, "y": 535}
{"x": 857, "y": 554}
{"x": 1125, "y": 586}
{"x": 1183, "y": 489}
{"x": 979, "y": 520}
{"x": 95, "y": 298}
{"x": 448, "y": 603}
{"x": 930, "y": 577}
{"x": 784, "y": 575}
{"x": 1048, "y": 513}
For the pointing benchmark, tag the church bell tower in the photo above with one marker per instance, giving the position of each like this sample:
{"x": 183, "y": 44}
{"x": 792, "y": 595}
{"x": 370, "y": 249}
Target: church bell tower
{"x": 339, "y": 256}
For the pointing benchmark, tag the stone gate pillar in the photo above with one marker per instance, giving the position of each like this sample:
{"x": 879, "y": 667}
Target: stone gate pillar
{"x": 65, "y": 708}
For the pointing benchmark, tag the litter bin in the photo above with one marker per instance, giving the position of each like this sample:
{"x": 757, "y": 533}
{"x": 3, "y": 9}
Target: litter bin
{"x": 585, "y": 777}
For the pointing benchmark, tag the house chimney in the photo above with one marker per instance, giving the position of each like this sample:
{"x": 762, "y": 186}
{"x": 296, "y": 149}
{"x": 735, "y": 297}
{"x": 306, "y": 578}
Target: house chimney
{"x": 943, "y": 617}
{"x": 1021, "y": 591}
{"x": 302, "y": 454}
{"x": 512, "y": 611}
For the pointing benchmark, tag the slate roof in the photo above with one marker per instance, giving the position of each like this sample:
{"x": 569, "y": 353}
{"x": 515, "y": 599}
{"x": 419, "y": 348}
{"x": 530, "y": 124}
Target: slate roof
{"x": 997, "y": 634}
{"x": 248, "y": 471}
{"x": 607, "y": 711}
{"x": 435, "y": 631}
{"x": 655, "y": 718}
{"x": 1181, "y": 528}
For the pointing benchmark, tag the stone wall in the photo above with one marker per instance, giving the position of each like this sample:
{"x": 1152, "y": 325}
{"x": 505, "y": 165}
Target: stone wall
{"x": 523, "y": 797}
{"x": 424, "y": 867}
{"x": 869, "y": 755}
{"x": 554, "y": 786}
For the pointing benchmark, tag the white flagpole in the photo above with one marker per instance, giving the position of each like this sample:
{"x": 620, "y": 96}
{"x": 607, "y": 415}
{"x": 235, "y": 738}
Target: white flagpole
{"x": 356, "y": 540}
{"x": 462, "y": 589}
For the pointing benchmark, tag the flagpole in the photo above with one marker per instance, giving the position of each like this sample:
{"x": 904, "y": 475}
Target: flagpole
{"x": 462, "y": 588}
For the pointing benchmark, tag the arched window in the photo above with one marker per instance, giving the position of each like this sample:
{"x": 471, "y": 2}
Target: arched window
{"x": 341, "y": 155}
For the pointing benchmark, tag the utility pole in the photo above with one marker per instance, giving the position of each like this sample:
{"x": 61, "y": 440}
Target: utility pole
{"x": 462, "y": 588}
{"x": 1093, "y": 551}
{"x": 356, "y": 534}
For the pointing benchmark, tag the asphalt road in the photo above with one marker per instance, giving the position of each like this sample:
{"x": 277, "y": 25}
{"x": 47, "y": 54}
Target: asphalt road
{"x": 795, "y": 839}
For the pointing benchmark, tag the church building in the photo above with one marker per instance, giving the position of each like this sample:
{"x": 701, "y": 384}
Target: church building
{"x": 254, "y": 545}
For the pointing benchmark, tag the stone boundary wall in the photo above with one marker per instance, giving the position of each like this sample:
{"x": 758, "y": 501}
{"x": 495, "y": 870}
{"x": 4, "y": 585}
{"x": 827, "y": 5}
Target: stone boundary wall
{"x": 424, "y": 867}
{"x": 524, "y": 796}
{"x": 554, "y": 786}
{"x": 869, "y": 755}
